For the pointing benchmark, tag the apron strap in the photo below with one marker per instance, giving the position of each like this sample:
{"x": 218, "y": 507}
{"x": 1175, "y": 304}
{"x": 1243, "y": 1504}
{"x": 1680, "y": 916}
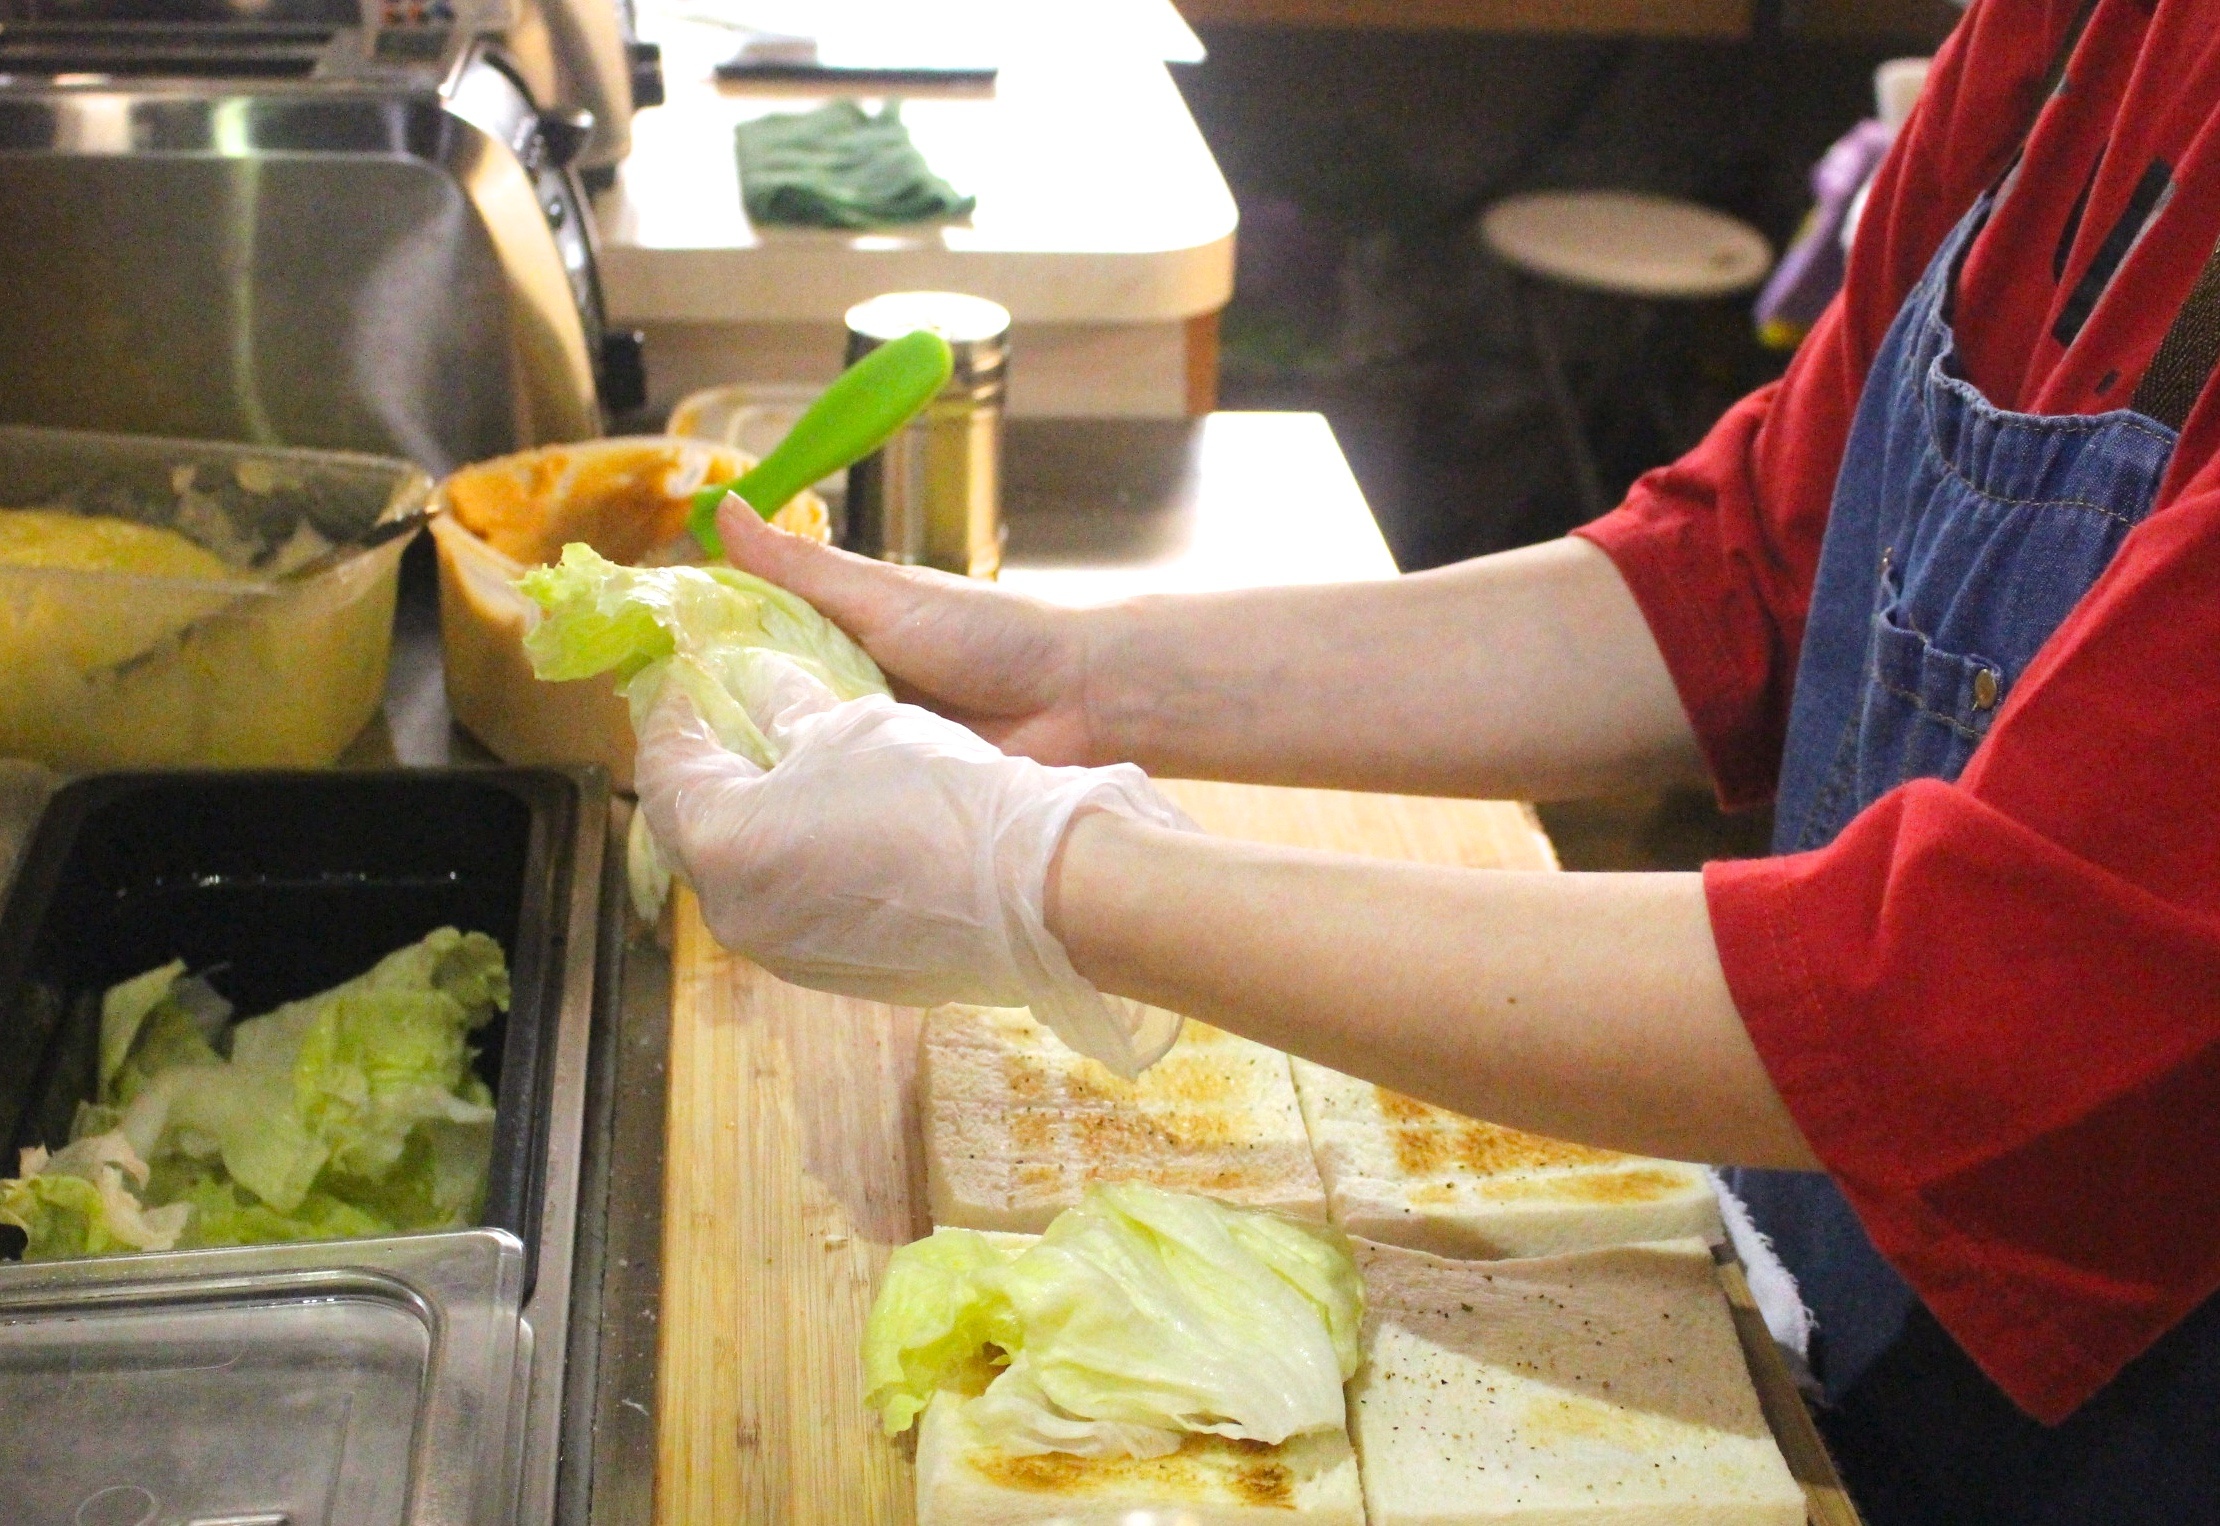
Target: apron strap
{"x": 2190, "y": 353}
{"x": 2055, "y": 80}
{"x": 2054, "y": 84}
{"x": 2187, "y": 356}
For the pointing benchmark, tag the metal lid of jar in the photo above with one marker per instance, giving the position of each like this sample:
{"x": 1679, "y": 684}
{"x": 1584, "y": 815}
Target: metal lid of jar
{"x": 977, "y": 330}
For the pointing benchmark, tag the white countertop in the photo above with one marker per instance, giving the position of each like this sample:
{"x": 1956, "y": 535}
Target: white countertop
{"x": 1098, "y": 201}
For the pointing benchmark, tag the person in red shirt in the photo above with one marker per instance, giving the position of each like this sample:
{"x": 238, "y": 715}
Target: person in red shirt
{"x": 1949, "y": 593}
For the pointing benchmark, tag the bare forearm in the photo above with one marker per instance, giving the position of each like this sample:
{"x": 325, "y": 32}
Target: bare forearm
{"x": 1587, "y": 1007}
{"x": 1529, "y": 674}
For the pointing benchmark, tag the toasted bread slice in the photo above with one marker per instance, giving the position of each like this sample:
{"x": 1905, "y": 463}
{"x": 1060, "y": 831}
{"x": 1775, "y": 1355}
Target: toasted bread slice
{"x": 1407, "y": 1174}
{"x": 1210, "y": 1481}
{"x": 1017, "y": 1124}
{"x": 1579, "y": 1390}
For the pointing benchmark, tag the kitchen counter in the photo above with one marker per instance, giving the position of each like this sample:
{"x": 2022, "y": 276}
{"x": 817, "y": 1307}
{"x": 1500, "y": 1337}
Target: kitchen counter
{"x": 1103, "y": 223}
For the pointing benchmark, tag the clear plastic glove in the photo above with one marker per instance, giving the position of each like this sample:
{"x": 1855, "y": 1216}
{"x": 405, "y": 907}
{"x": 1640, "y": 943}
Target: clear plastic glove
{"x": 890, "y": 854}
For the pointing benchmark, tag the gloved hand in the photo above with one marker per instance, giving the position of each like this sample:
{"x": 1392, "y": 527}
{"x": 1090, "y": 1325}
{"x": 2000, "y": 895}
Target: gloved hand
{"x": 1021, "y": 673}
{"x": 890, "y": 854}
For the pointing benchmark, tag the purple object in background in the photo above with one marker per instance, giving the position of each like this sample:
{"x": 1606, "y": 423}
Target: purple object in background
{"x": 1810, "y": 273}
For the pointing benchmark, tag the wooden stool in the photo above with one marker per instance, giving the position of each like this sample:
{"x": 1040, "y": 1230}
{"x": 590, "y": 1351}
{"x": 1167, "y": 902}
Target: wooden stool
{"x": 1645, "y": 249}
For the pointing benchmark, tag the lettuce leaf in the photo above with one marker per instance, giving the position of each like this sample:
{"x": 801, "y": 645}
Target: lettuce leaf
{"x": 351, "y": 1112}
{"x": 223, "y": 1113}
{"x": 226, "y": 1214}
{"x": 154, "y": 1021}
{"x": 938, "y": 1316}
{"x": 371, "y": 1067}
{"x": 697, "y": 627}
{"x": 604, "y": 618}
{"x": 123, "y": 1008}
{"x": 1141, "y": 1315}
{"x": 79, "y": 1202}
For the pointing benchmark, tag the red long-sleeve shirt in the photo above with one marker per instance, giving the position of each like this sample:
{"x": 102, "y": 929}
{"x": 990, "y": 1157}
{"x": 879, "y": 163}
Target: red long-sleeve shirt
{"x": 1993, "y": 1006}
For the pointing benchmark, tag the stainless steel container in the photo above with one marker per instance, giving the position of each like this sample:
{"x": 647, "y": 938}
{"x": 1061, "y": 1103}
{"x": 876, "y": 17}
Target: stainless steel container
{"x": 933, "y": 496}
{"x": 295, "y": 231}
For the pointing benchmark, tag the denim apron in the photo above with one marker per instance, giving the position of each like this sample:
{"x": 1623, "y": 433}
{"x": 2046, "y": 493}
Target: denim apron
{"x": 1960, "y": 537}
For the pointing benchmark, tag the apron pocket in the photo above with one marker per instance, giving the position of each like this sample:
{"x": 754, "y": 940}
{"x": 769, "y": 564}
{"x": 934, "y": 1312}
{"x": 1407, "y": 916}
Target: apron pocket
{"x": 1925, "y": 709}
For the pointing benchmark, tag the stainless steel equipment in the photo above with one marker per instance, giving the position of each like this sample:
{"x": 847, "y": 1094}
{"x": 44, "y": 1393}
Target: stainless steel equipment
{"x": 933, "y": 496}
{"x": 297, "y": 229}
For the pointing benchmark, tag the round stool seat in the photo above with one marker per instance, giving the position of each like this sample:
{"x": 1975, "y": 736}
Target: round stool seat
{"x": 1628, "y": 244}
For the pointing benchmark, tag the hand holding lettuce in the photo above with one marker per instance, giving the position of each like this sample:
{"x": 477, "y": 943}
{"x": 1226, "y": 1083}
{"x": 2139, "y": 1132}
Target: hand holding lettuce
{"x": 845, "y": 842}
{"x": 351, "y": 1112}
{"x": 1139, "y": 1317}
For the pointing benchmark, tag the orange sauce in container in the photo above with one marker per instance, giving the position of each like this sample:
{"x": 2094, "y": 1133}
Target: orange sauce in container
{"x": 628, "y": 499}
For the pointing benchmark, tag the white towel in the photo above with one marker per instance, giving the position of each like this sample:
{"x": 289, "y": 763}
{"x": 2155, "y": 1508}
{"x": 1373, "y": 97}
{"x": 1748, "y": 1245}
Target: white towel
{"x": 1772, "y": 1287}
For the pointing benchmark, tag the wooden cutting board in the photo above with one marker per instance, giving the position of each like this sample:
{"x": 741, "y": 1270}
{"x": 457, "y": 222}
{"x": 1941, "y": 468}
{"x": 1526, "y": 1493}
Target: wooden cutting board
{"x": 795, "y": 1166}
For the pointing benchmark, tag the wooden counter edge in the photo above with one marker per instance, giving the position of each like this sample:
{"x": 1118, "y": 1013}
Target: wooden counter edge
{"x": 1826, "y": 1502}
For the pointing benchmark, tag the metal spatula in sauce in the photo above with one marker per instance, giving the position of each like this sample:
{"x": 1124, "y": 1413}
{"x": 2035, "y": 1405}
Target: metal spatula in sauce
{"x": 322, "y": 562}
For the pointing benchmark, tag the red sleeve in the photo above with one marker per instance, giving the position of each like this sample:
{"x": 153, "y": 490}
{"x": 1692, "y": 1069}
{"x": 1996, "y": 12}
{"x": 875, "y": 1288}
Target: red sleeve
{"x": 1994, "y": 1006}
{"x": 1720, "y": 548}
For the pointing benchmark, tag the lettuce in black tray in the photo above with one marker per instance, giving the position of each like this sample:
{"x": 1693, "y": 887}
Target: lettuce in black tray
{"x": 355, "y": 1111}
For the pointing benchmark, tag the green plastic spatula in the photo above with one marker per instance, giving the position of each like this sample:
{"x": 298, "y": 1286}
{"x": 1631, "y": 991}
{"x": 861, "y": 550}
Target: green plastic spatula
{"x": 853, "y": 417}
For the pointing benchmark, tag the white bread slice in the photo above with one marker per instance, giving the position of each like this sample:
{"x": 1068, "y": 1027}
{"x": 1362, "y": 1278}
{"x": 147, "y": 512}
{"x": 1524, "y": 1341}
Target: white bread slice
{"x": 1605, "y": 1388}
{"x": 1017, "y": 1124}
{"x": 1210, "y": 1481}
{"x": 1407, "y": 1174}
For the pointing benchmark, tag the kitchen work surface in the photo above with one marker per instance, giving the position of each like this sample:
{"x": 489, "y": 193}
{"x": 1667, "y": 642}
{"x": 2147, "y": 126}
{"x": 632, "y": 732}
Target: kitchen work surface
{"x": 1103, "y": 224}
{"x": 797, "y": 1166}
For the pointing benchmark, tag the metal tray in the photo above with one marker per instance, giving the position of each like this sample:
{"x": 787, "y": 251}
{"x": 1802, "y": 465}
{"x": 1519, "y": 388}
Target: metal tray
{"x": 262, "y": 1387}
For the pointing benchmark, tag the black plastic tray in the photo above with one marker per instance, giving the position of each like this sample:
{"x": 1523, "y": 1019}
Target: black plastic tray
{"x": 292, "y": 881}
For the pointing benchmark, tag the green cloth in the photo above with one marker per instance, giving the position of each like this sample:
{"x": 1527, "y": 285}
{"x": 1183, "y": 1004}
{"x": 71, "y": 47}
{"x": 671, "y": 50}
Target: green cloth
{"x": 839, "y": 167}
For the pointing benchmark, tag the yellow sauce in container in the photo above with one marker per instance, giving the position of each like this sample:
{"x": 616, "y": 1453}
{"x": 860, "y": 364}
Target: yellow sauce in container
{"x": 140, "y": 625}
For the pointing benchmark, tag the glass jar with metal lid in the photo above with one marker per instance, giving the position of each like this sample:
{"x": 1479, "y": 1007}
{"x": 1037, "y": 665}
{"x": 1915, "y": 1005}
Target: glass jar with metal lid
{"x": 933, "y": 496}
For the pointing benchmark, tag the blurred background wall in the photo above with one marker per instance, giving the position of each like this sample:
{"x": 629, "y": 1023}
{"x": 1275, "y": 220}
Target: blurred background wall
{"x": 1362, "y": 158}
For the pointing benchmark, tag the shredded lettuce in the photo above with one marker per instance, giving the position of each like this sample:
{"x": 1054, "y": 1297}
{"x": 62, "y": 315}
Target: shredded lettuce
{"x": 1141, "y": 1315}
{"x": 351, "y": 1112}
{"x": 79, "y": 1202}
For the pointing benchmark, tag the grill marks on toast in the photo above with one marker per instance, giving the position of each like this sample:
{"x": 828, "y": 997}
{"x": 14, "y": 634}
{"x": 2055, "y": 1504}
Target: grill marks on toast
{"x": 1403, "y": 1172}
{"x": 1429, "y": 1141}
{"x": 1017, "y": 1125}
{"x": 1246, "y": 1472}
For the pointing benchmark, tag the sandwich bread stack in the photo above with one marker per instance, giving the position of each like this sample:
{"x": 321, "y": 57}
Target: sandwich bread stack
{"x": 1578, "y": 1390}
{"x": 1017, "y": 1124}
{"x": 1403, "y": 1173}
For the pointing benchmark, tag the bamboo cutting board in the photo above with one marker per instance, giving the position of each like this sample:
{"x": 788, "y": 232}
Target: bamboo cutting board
{"x": 795, "y": 1166}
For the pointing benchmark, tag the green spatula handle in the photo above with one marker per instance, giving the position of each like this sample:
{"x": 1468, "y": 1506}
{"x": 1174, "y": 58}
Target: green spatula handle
{"x": 858, "y": 413}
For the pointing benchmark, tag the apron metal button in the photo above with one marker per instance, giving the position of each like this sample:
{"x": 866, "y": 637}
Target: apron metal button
{"x": 1984, "y": 690}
